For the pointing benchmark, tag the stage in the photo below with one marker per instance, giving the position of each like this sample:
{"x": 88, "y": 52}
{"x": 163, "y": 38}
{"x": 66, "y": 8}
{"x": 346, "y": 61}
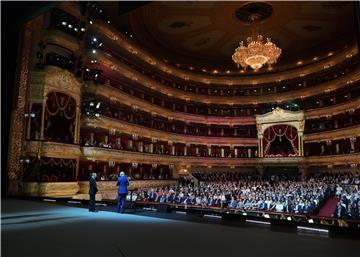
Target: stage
{"x": 35, "y": 228}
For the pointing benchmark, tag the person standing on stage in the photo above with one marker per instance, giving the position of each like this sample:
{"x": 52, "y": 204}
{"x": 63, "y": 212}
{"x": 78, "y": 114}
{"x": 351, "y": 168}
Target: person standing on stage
{"x": 122, "y": 183}
{"x": 92, "y": 192}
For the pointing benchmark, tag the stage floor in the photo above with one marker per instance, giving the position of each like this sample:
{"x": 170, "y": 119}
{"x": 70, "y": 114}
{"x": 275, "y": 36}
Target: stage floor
{"x": 33, "y": 228}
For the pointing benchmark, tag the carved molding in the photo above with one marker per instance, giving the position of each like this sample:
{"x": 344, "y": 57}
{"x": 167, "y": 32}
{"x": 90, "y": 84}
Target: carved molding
{"x": 278, "y": 117}
{"x": 125, "y": 127}
{"x": 60, "y": 38}
{"x": 138, "y": 53}
{"x": 51, "y": 189}
{"x": 353, "y": 131}
{"x": 52, "y": 149}
{"x": 17, "y": 131}
{"x": 54, "y": 79}
{"x": 71, "y": 7}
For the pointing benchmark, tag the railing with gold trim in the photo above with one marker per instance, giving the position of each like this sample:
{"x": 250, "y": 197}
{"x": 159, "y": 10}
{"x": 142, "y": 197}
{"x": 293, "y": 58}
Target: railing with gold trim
{"x": 133, "y": 75}
{"x": 133, "y": 50}
{"x": 334, "y": 134}
{"x": 126, "y": 127}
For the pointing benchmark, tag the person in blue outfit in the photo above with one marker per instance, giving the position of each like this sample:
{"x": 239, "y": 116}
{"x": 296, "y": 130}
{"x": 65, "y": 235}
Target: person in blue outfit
{"x": 122, "y": 184}
{"x": 92, "y": 192}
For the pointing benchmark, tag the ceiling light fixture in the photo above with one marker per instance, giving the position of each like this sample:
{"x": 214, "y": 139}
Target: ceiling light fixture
{"x": 256, "y": 53}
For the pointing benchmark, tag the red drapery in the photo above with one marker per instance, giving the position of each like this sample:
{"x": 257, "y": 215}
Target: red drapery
{"x": 280, "y": 132}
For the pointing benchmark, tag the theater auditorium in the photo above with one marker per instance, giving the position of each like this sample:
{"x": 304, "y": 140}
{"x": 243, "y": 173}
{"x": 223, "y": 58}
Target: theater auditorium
{"x": 180, "y": 128}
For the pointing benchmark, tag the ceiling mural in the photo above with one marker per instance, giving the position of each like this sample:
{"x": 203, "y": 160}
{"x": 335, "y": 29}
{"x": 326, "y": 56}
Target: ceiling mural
{"x": 205, "y": 34}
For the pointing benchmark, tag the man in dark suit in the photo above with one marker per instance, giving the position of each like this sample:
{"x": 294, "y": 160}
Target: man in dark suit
{"x": 92, "y": 192}
{"x": 122, "y": 184}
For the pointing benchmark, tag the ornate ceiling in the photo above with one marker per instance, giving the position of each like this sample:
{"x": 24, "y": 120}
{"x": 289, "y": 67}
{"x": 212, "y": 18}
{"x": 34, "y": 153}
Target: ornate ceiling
{"x": 203, "y": 35}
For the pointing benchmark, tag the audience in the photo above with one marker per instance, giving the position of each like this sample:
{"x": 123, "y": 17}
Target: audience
{"x": 277, "y": 193}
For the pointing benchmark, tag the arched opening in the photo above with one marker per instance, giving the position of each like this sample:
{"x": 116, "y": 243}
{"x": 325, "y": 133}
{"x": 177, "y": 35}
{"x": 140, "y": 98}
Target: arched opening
{"x": 60, "y": 118}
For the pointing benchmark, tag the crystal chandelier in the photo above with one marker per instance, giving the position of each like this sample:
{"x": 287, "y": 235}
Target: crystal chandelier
{"x": 257, "y": 53}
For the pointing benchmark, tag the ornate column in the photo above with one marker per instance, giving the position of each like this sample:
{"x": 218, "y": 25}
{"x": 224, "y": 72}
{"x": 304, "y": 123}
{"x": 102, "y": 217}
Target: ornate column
{"x": 209, "y": 150}
{"x": 185, "y": 149}
{"x": 43, "y": 118}
{"x": 77, "y": 126}
{"x": 91, "y": 137}
{"x": 260, "y": 146}
{"x": 28, "y": 126}
{"x": 352, "y": 144}
{"x": 16, "y": 134}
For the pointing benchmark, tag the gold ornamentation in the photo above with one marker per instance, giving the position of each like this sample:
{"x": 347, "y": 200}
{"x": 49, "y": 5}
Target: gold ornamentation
{"x": 17, "y": 120}
{"x": 257, "y": 53}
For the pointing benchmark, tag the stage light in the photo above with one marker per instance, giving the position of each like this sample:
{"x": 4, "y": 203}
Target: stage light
{"x": 98, "y": 105}
{"x": 108, "y": 22}
{"x": 24, "y": 160}
{"x": 92, "y": 104}
{"x": 29, "y": 114}
{"x": 94, "y": 51}
{"x": 90, "y": 22}
{"x": 82, "y": 29}
{"x": 96, "y": 75}
{"x": 313, "y": 229}
{"x": 70, "y": 26}
{"x": 87, "y": 69}
{"x": 97, "y": 114}
{"x": 100, "y": 44}
{"x": 94, "y": 39}
{"x": 311, "y": 221}
{"x": 258, "y": 222}
{"x": 76, "y": 29}
{"x": 64, "y": 23}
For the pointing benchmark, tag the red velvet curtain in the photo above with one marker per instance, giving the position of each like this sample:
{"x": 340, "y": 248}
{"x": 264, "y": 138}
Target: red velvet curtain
{"x": 278, "y": 132}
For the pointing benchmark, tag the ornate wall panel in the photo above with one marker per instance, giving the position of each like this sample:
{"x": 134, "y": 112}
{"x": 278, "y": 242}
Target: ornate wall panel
{"x": 17, "y": 131}
{"x": 51, "y": 189}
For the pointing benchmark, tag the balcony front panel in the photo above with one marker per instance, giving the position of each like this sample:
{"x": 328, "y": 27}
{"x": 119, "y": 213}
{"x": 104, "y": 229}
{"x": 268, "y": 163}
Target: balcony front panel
{"x": 118, "y": 96}
{"x": 125, "y": 127}
{"x": 52, "y": 149}
{"x": 116, "y": 38}
{"x": 133, "y": 75}
{"x": 353, "y": 131}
